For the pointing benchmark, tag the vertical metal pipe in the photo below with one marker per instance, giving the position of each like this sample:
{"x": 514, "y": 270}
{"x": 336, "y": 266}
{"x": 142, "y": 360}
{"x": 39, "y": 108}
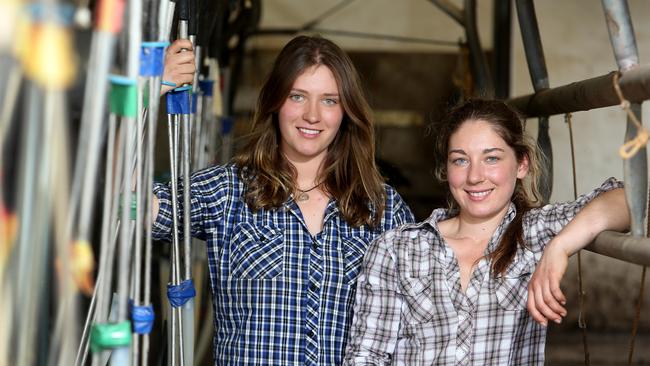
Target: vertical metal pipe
{"x": 33, "y": 230}
{"x": 501, "y": 39}
{"x": 188, "y": 308}
{"x": 82, "y": 353}
{"x": 532, "y": 44}
{"x": 478, "y": 60}
{"x": 151, "y": 139}
{"x": 545, "y": 182}
{"x": 137, "y": 256}
{"x": 539, "y": 77}
{"x": 621, "y": 34}
{"x": 105, "y": 290}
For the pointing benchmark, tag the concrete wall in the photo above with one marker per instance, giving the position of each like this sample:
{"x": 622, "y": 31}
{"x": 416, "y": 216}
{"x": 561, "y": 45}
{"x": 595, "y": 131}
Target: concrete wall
{"x": 576, "y": 46}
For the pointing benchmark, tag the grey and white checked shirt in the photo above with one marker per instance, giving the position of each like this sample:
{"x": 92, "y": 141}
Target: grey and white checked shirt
{"x": 410, "y": 309}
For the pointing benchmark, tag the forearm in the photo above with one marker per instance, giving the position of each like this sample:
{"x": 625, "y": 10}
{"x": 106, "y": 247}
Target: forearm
{"x": 608, "y": 211}
{"x": 155, "y": 205}
{"x": 374, "y": 330}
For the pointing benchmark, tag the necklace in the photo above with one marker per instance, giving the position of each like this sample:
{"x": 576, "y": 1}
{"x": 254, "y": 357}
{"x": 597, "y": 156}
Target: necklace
{"x": 302, "y": 194}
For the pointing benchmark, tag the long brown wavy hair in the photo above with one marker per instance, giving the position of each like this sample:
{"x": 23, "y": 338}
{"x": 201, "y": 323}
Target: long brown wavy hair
{"x": 508, "y": 125}
{"x": 349, "y": 173}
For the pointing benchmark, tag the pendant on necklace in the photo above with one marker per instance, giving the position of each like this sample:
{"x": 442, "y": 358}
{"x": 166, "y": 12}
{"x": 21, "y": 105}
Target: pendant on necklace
{"x": 302, "y": 196}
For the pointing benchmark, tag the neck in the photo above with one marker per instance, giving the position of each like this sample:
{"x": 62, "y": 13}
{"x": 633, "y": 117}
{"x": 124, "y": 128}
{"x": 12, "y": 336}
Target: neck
{"x": 308, "y": 173}
{"x": 477, "y": 228}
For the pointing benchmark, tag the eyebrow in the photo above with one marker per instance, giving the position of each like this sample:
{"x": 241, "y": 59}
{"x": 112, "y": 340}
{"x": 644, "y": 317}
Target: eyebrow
{"x": 485, "y": 151}
{"x": 306, "y": 92}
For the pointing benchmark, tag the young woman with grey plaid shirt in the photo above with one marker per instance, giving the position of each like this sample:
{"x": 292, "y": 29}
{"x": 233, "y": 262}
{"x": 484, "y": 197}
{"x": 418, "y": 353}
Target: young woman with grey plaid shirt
{"x": 452, "y": 290}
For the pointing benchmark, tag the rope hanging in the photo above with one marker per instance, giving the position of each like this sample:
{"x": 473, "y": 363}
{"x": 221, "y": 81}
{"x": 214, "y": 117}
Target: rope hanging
{"x": 631, "y": 147}
{"x": 582, "y": 323}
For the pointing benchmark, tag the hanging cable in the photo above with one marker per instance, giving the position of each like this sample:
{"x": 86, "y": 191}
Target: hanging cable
{"x": 582, "y": 314}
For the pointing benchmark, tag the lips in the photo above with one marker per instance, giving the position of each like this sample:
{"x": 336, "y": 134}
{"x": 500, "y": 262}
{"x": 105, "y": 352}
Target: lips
{"x": 308, "y": 131}
{"x": 479, "y": 195}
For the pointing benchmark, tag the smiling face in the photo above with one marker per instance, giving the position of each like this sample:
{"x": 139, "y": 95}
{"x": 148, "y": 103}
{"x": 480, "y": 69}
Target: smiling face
{"x": 482, "y": 171}
{"x": 311, "y": 115}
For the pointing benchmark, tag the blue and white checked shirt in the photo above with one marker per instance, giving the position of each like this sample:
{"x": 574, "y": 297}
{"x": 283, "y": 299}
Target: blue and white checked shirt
{"x": 410, "y": 309}
{"x": 281, "y": 295}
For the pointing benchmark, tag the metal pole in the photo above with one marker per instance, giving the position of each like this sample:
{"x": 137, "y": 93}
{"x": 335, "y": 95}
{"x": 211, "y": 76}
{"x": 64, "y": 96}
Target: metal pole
{"x": 621, "y": 34}
{"x": 478, "y": 60}
{"x": 539, "y": 76}
{"x": 597, "y": 92}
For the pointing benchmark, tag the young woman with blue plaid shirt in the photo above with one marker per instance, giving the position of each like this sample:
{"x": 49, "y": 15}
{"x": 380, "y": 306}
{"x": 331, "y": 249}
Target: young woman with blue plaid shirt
{"x": 452, "y": 289}
{"x": 288, "y": 222}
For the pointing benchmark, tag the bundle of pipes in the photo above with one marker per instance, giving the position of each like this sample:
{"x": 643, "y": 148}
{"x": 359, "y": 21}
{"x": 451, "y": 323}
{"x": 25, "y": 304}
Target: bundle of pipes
{"x": 55, "y": 206}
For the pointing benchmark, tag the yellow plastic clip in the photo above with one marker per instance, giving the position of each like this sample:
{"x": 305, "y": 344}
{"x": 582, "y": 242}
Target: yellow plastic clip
{"x": 82, "y": 265}
{"x": 8, "y": 230}
{"x": 47, "y": 54}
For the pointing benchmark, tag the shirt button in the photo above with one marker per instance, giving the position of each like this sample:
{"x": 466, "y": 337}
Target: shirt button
{"x": 413, "y": 234}
{"x": 313, "y": 287}
{"x": 310, "y": 334}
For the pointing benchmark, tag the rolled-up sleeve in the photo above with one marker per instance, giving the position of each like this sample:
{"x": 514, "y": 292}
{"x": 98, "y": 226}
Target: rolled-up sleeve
{"x": 546, "y": 222}
{"x": 207, "y": 191}
{"x": 377, "y": 308}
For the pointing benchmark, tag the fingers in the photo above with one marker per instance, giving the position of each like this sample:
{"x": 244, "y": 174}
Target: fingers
{"x": 532, "y": 309}
{"x": 179, "y": 45}
{"x": 179, "y": 57}
{"x": 179, "y": 65}
{"x": 555, "y": 309}
{"x": 557, "y": 292}
{"x": 181, "y": 71}
{"x": 545, "y": 300}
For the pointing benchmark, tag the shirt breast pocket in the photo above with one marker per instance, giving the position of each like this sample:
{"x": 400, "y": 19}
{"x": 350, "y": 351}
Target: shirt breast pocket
{"x": 257, "y": 252}
{"x": 419, "y": 297}
{"x": 512, "y": 288}
{"x": 354, "y": 249}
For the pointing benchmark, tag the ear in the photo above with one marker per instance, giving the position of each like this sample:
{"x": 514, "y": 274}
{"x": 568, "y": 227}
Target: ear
{"x": 522, "y": 169}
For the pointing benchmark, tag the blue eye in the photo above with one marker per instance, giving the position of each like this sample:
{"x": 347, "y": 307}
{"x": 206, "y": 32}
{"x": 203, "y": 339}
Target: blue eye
{"x": 296, "y": 97}
{"x": 459, "y": 161}
{"x": 330, "y": 101}
{"x": 492, "y": 159}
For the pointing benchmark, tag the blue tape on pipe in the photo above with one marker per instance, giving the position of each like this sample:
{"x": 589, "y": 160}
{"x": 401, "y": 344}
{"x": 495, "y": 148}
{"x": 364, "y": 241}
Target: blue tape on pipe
{"x": 178, "y": 101}
{"x": 180, "y": 294}
{"x": 194, "y": 101}
{"x": 206, "y": 87}
{"x": 142, "y": 318}
{"x": 227, "y": 123}
{"x": 63, "y": 14}
{"x": 151, "y": 60}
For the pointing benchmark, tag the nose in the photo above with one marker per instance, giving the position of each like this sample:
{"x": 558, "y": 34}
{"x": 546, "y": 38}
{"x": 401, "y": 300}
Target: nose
{"x": 312, "y": 112}
{"x": 475, "y": 174}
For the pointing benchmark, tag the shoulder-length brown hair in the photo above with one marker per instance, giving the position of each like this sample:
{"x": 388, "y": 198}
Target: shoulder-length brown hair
{"x": 349, "y": 172}
{"x": 508, "y": 125}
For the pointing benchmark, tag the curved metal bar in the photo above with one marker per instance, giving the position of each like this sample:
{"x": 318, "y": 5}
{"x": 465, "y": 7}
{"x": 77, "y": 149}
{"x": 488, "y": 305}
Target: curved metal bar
{"x": 450, "y": 9}
{"x": 539, "y": 77}
{"x": 502, "y": 46}
{"x": 478, "y": 60}
{"x": 545, "y": 180}
{"x": 532, "y": 44}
